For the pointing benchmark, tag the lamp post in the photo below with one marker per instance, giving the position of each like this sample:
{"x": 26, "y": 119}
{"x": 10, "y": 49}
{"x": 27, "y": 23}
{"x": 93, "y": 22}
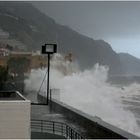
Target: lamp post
{"x": 49, "y": 49}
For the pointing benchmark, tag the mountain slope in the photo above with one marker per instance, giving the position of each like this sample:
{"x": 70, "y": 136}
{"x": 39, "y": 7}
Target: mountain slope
{"x": 27, "y": 24}
{"x": 130, "y": 64}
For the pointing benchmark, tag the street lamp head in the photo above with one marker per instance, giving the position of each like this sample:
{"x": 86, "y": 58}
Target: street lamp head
{"x": 49, "y": 48}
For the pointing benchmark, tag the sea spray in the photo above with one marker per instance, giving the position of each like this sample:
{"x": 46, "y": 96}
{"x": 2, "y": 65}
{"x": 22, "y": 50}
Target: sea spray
{"x": 87, "y": 91}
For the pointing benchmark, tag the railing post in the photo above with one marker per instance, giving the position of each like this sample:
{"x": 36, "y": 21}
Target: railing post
{"x": 53, "y": 128}
{"x": 66, "y": 131}
{"x": 50, "y": 95}
{"x": 71, "y": 134}
{"x": 62, "y": 128}
{"x": 75, "y": 136}
{"x": 41, "y": 125}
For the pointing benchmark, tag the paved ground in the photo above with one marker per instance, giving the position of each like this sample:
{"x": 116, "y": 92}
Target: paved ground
{"x": 42, "y": 112}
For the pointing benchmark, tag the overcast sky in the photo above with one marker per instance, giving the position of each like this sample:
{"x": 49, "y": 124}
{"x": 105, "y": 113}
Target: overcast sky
{"x": 118, "y": 23}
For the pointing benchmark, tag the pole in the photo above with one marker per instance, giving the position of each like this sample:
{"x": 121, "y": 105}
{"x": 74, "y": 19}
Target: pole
{"x": 48, "y": 79}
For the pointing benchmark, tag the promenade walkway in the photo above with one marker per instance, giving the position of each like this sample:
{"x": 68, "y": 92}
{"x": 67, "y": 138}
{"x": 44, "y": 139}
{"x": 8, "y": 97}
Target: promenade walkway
{"x": 42, "y": 112}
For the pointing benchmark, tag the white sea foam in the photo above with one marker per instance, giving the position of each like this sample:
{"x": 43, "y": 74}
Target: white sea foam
{"x": 88, "y": 91}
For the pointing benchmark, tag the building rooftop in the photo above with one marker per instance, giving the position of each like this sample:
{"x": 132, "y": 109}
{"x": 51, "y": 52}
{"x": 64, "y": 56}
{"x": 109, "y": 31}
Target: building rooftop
{"x": 10, "y": 95}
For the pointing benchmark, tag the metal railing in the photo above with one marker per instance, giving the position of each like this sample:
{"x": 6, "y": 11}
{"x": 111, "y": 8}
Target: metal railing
{"x": 55, "y": 128}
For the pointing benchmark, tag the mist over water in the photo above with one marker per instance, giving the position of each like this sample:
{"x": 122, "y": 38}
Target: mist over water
{"x": 88, "y": 91}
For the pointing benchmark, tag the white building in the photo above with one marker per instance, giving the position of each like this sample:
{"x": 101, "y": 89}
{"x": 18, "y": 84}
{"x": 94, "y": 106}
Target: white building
{"x": 4, "y": 52}
{"x": 14, "y": 116}
{"x": 3, "y": 34}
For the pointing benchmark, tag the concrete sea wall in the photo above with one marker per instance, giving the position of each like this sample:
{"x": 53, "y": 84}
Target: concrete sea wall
{"x": 94, "y": 127}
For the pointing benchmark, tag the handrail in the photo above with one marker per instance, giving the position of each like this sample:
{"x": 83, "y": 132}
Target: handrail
{"x": 55, "y": 128}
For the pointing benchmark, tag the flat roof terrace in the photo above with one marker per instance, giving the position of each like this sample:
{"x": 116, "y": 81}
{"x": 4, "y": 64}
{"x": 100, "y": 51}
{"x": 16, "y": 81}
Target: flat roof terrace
{"x": 10, "y": 96}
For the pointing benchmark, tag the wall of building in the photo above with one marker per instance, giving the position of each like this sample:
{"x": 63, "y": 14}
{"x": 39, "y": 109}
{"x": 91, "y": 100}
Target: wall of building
{"x": 36, "y": 61}
{"x": 15, "y": 119}
{"x": 3, "y": 61}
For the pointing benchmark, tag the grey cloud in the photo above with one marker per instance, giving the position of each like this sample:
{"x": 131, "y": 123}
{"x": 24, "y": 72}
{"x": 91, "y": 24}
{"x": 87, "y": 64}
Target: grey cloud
{"x": 96, "y": 19}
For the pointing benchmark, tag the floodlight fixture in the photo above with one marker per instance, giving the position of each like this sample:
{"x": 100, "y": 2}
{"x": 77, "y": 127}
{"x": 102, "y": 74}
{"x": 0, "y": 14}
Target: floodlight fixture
{"x": 49, "y": 48}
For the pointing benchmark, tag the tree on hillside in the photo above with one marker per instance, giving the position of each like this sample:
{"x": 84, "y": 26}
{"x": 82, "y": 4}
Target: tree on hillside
{"x": 3, "y": 74}
{"x": 9, "y": 47}
{"x": 18, "y": 65}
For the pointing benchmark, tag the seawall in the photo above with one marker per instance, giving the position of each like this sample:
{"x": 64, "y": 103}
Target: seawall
{"x": 94, "y": 127}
